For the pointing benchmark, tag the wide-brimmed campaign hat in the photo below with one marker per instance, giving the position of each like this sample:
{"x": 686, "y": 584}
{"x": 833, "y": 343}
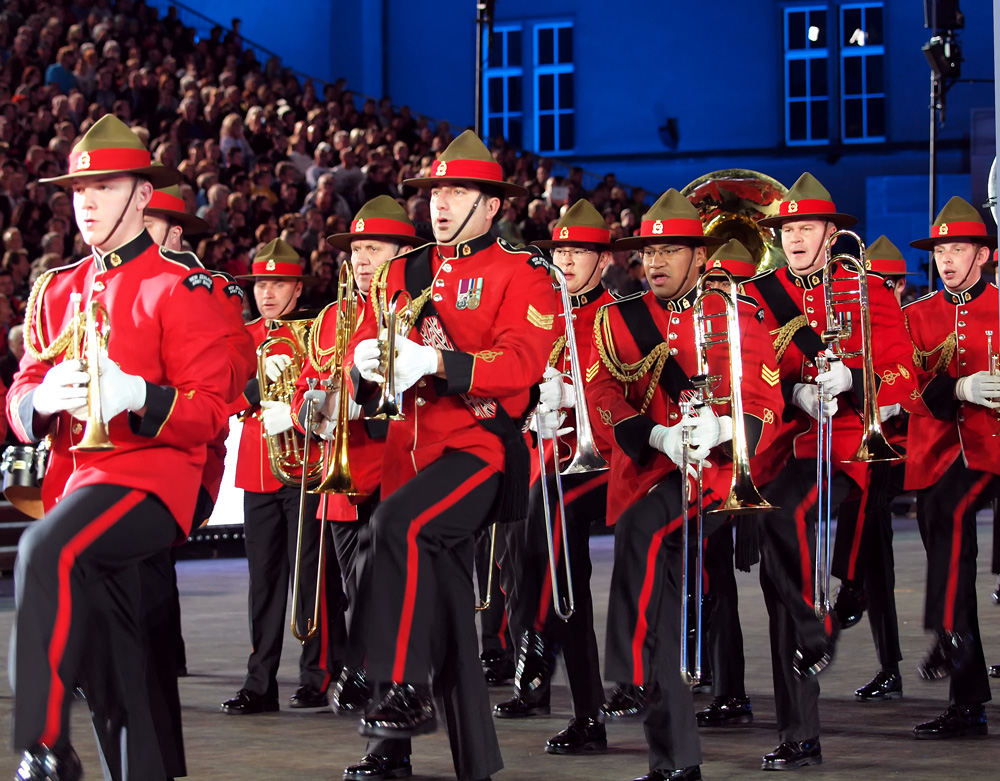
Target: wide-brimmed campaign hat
{"x": 672, "y": 218}
{"x": 278, "y": 260}
{"x": 110, "y": 148}
{"x": 168, "y": 203}
{"x": 957, "y": 221}
{"x": 734, "y": 258}
{"x": 582, "y": 224}
{"x": 882, "y": 257}
{"x": 382, "y": 219}
{"x": 808, "y": 200}
{"x": 466, "y": 159}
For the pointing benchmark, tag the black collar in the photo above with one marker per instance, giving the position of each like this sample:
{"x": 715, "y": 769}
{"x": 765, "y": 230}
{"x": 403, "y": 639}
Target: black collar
{"x": 679, "y": 304}
{"x": 587, "y": 297}
{"x": 807, "y": 282}
{"x": 465, "y": 248}
{"x": 128, "y": 251}
{"x": 968, "y": 294}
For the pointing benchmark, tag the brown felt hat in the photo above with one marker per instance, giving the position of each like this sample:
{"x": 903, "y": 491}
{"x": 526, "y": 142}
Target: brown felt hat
{"x": 808, "y": 200}
{"x": 466, "y": 159}
{"x": 671, "y": 218}
{"x": 957, "y": 221}
{"x": 581, "y": 224}
{"x": 734, "y": 258}
{"x": 382, "y": 218}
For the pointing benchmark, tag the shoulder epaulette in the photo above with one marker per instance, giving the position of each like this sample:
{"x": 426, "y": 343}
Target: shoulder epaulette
{"x": 924, "y": 297}
{"x": 623, "y": 299}
{"x": 183, "y": 257}
{"x": 759, "y": 276}
{"x": 252, "y": 322}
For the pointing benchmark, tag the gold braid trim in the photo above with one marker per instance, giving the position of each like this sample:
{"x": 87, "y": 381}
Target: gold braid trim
{"x": 557, "y": 351}
{"x": 315, "y": 353}
{"x": 947, "y": 348}
{"x": 786, "y": 334}
{"x": 33, "y": 318}
{"x": 627, "y": 373}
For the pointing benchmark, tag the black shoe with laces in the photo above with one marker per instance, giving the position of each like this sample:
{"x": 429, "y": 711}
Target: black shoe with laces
{"x": 692, "y": 773}
{"x": 582, "y": 736}
{"x": 374, "y": 767}
{"x": 791, "y": 755}
{"x": 958, "y": 721}
{"x": 886, "y": 685}
{"x": 406, "y": 710}
{"x": 850, "y": 604}
{"x": 44, "y": 764}
{"x": 629, "y": 701}
{"x": 246, "y": 702}
{"x": 498, "y": 667}
{"x": 726, "y": 711}
{"x": 352, "y": 692}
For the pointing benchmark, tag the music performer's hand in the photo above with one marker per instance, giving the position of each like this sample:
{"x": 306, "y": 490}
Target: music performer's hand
{"x": 556, "y": 390}
{"x": 119, "y": 391}
{"x": 366, "y": 360}
{"x": 837, "y": 378}
{"x": 805, "y": 396}
{"x": 275, "y": 364}
{"x": 981, "y": 388}
{"x": 276, "y": 417}
{"x": 63, "y": 389}
{"x": 413, "y": 361}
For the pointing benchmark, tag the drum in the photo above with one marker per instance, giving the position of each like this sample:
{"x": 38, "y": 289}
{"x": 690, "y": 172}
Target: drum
{"x": 23, "y": 469}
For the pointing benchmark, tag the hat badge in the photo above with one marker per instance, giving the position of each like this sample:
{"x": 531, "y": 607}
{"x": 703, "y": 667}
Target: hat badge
{"x": 442, "y": 169}
{"x": 269, "y": 266}
{"x": 793, "y": 207}
{"x": 83, "y": 163}
{"x": 943, "y": 229}
{"x": 717, "y": 264}
{"x": 564, "y": 233}
{"x": 359, "y": 226}
{"x": 658, "y": 228}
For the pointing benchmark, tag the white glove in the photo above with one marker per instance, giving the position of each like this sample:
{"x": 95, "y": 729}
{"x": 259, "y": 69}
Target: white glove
{"x": 981, "y": 388}
{"x": 119, "y": 391}
{"x": 545, "y": 423}
{"x": 63, "y": 389}
{"x": 556, "y": 391}
{"x": 325, "y": 408}
{"x": 670, "y": 442}
{"x": 276, "y": 417}
{"x": 891, "y": 411}
{"x": 366, "y": 360}
{"x": 413, "y": 361}
{"x": 274, "y": 365}
{"x": 806, "y": 397}
{"x": 837, "y": 377}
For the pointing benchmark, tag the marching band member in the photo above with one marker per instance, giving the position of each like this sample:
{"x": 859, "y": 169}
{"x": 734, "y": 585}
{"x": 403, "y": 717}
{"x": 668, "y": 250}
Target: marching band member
{"x": 581, "y": 248}
{"x": 271, "y": 509}
{"x": 483, "y": 322}
{"x": 864, "y": 525}
{"x": 724, "y": 665}
{"x": 645, "y": 358}
{"x": 162, "y": 391}
{"x": 795, "y": 314}
{"x": 380, "y": 230}
{"x": 953, "y": 464}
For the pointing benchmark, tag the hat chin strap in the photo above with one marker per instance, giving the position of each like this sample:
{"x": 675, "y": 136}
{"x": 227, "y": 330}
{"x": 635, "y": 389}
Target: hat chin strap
{"x": 118, "y": 222}
{"x": 465, "y": 221}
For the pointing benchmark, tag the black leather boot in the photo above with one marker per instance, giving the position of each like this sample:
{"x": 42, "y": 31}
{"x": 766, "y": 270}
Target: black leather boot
{"x": 791, "y": 755}
{"x": 956, "y": 722}
{"x": 582, "y": 736}
{"x": 850, "y": 605}
{"x": 352, "y": 692}
{"x": 498, "y": 667}
{"x": 629, "y": 701}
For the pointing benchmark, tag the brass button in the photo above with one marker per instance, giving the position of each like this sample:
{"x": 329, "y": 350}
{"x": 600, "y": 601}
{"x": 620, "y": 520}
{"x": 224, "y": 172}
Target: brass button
{"x": 809, "y": 297}
{"x": 961, "y": 363}
{"x": 963, "y": 311}
{"x": 961, "y": 336}
{"x": 438, "y": 297}
{"x": 809, "y": 309}
{"x": 675, "y": 321}
{"x": 439, "y": 283}
{"x": 574, "y": 315}
{"x": 809, "y": 364}
{"x": 77, "y": 428}
{"x": 961, "y": 324}
{"x": 673, "y": 351}
{"x": 961, "y": 349}
{"x": 98, "y": 286}
{"x": 813, "y": 324}
{"x": 422, "y": 384}
{"x": 421, "y": 401}
{"x": 673, "y": 416}
{"x": 671, "y": 335}
{"x": 446, "y": 267}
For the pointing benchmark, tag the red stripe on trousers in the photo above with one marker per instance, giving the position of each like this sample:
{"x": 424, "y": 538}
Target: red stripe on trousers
{"x": 412, "y": 562}
{"x": 956, "y": 545}
{"x": 852, "y": 561}
{"x": 800, "y": 530}
{"x": 545, "y": 598}
{"x": 642, "y": 625}
{"x": 64, "y": 606}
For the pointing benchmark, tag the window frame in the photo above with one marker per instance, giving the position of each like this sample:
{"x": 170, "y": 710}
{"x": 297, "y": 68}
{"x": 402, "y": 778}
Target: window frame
{"x": 506, "y": 71}
{"x": 863, "y": 53}
{"x": 554, "y": 69}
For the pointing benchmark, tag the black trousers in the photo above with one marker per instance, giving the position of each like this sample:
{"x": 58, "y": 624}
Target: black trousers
{"x": 788, "y": 547}
{"x": 946, "y": 515}
{"x": 271, "y": 527}
{"x": 423, "y": 604}
{"x": 77, "y": 591}
{"x": 643, "y": 641}
{"x": 585, "y": 497}
{"x": 352, "y": 544}
{"x": 724, "y": 637}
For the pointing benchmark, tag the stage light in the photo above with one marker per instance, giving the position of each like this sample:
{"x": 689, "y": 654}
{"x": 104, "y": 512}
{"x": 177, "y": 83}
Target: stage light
{"x": 944, "y": 56}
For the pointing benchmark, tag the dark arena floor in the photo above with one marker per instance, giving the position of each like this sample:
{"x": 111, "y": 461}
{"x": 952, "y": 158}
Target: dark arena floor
{"x": 860, "y": 741}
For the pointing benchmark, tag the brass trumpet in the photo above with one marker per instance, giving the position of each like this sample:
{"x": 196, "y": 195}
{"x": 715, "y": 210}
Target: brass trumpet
{"x": 743, "y": 498}
{"x": 874, "y": 446}
{"x": 95, "y": 340}
{"x": 396, "y": 320}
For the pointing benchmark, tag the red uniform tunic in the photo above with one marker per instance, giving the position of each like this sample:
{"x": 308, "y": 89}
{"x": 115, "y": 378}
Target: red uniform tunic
{"x": 627, "y": 413}
{"x": 166, "y": 327}
{"x": 892, "y": 361}
{"x": 501, "y": 314}
{"x": 365, "y": 452}
{"x": 253, "y": 467}
{"x": 949, "y": 336}
{"x": 585, "y": 308}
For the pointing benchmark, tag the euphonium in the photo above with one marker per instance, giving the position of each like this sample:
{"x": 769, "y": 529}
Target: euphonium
{"x": 285, "y": 451}
{"x": 338, "y": 478}
{"x": 395, "y": 321}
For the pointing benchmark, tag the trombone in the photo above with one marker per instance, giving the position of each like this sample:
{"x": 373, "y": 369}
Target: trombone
{"x": 874, "y": 446}
{"x": 743, "y": 497}
{"x": 312, "y": 624}
{"x": 396, "y": 320}
{"x": 586, "y": 459}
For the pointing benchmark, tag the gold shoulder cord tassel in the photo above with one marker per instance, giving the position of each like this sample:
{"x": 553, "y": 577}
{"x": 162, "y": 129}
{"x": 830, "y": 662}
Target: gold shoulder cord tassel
{"x": 557, "y": 351}
{"x": 947, "y": 349}
{"x": 786, "y": 334}
{"x": 628, "y": 373}
{"x": 33, "y": 321}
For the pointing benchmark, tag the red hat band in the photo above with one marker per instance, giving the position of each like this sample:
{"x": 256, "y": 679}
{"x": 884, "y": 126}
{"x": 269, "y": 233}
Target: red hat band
{"x": 889, "y": 267}
{"x": 467, "y": 169}
{"x": 272, "y": 268}
{"x": 582, "y": 234}
{"x": 166, "y": 202}
{"x": 805, "y": 207}
{"x": 382, "y": 225}
{"x": 738, "y": 268}
{"x": 108, "y": 160}
{"x": 958, "y": 229}
{"x": 674, "y": 227}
